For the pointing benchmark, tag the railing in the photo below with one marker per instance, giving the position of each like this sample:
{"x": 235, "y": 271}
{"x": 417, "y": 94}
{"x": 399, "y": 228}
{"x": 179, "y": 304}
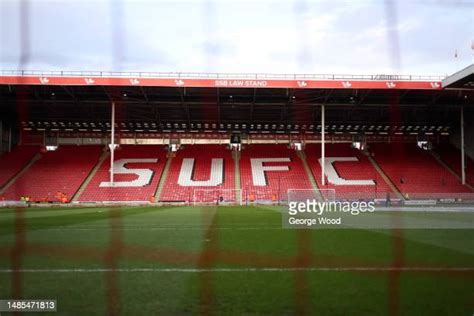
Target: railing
{"x": 197, "y": 75}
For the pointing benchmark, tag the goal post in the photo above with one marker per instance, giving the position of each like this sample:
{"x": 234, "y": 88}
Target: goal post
{"x": 321, "y": 195}
{"x": 217, "y": 197}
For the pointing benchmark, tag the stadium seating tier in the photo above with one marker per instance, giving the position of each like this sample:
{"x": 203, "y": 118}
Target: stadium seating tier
{"x": 415, "y": 172}
{"x": 201, "y": 173}
{"x": 141, "y": 163}
{"x": 452, "y": 157}
{"x": 206, "y": 173}
{"x": 270, "y": 179}
{"x": 361, "y": 179}
{"x": 57, "y": 175}
{"x": 13, "y": 162}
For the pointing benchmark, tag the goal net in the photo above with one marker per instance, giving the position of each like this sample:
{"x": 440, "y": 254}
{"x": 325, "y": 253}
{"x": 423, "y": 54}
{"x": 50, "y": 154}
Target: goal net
{"x": 217, "y": 197}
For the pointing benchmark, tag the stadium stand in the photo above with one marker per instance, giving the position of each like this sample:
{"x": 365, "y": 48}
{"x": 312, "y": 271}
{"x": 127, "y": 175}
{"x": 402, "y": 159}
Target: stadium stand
{"x": 414, "y": 171}
{"x": 200, "y": 173}
{"x": 56, "y": 176}
{"x": 138, "y": 171}
{"x": 206, "y": 173}
{"x": 452, "y": 157}
{"x": 13, "y": 162}
{"x": 354, "y": 178}
{"x": 268, "y": 171}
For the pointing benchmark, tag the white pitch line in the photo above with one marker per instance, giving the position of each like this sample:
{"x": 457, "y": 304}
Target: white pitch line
{"x": 193, "y": 270}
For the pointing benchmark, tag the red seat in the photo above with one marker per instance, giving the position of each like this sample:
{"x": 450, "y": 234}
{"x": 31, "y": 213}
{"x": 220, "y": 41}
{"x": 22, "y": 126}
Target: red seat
{"x": 277, "y": 183}
{"x": 13, "y": 162}
{"x": 452, "y": 157}
{"x": 415, "y": 172}
{"x": 62, "y": 171}
{"x": 362, "y": 169}
{"x": 94, "y": 191}
{"x": 202, "y": 155}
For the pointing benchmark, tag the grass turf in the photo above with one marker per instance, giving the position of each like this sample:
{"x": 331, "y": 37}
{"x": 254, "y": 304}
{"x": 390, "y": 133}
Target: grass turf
{"x": 199, "y": 257}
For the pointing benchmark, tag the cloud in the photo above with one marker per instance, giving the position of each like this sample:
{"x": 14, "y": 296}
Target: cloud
{"x": 239, "y": 36}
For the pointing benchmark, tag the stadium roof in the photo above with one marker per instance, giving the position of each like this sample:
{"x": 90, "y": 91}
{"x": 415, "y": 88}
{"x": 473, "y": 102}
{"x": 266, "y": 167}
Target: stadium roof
{"x": 70, "y": 98}
{"x": 463, "y": 79}
{"x": 220, "y": 80}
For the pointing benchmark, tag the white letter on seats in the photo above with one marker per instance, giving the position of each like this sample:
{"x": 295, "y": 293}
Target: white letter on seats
{"x": 144, "y": 175}
{"x": 258, "y": 169}
{"x": 334, "y": 178}
{"x": 186, "y": 172}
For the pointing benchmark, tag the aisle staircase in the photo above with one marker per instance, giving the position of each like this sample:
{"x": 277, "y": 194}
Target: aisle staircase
{"x": 164, "y": 175}
{"x": 91, "y": 175}
{"x": 387, "y": 180}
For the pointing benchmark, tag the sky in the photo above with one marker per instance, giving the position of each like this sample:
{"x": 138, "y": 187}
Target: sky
{"x": 418, "y": 37}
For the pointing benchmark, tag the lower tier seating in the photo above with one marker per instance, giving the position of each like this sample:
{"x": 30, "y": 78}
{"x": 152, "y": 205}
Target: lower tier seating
{"x": 57, "y": 175}
{"x": 13, "y": 162}
{"x": 201, "y": 173}
{"x": 415, "y": 171}
{"x": 348, "y": 172}
{"x": 206, "y": 173}
{"x": 452, "y": 157}
{"x": 138, "y": 170}
{"x": 268, "y": 171}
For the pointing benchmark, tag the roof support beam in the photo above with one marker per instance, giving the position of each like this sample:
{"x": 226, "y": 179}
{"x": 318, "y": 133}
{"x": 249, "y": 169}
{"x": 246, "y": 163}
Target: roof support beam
{"x": 218, "y": 105}
{"x": 70, "y": 93}
{"x": 252, "y": 105}
{"x": 184, "y": 105}
{"x": 363, "y": 97}
{"x": 291, "y": 94}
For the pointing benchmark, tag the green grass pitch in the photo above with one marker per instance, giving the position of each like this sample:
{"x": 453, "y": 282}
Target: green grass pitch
{"x": 229, "y": 260}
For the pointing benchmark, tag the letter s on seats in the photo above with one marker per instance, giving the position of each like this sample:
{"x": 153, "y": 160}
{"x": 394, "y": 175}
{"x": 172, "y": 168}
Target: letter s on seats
{"x": 144, "y": 175}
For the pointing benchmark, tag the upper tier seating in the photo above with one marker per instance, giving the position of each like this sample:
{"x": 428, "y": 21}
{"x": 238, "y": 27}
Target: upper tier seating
{"x": 415, "y": 172}
{"x": 355, "y": 178}
{"x": 201, "y": 173}
{"x": 260, "y": 184}
{"x": 61, "y": 171}
{"x": 134, "y": 180}
{"x": 13, "y": 162}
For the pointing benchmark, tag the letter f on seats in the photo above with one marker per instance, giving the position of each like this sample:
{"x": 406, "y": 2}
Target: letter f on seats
{"x": 258, "y": 169}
